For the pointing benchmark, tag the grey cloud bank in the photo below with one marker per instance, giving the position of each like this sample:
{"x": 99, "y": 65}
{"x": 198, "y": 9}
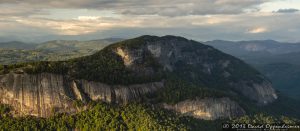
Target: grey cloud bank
{"x": 141, "y": 7}
{"x": 35, "y": 20}
{"x": 287, "y": 11}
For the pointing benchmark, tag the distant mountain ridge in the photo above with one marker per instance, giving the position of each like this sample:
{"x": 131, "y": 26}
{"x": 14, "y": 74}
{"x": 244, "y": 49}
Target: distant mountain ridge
{"x": 256, "y": 46}
{"x": 14, "y": 52}
{"x": 16, "y": 45}
{"x": 280, "y": 62}
{"x": 59, "y": 44}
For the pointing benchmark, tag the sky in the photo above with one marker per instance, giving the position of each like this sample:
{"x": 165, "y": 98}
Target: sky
{"x": 203, "y": 20}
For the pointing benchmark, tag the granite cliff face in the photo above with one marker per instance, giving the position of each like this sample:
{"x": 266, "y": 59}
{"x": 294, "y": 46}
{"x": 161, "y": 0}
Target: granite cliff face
{"x": 263, "y": 92}
{"x": 208, "y": 108}
{"x": 42, "y": 93}
{"x": 35, "y": 94}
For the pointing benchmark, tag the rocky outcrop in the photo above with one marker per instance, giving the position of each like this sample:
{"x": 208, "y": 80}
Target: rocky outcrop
{"x": 263, "y": 93}
{"x": 172, "y": 51}
{"x": 37, "y": 95}
{"x": 147, "y": 57}
{"x": 117, "y": 93}
{"x": 43, "y": 94}
{"x": 208, "y": 109}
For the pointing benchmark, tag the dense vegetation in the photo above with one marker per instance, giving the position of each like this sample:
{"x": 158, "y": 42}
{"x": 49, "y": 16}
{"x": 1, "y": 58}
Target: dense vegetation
{"x": 278, "y": 61}
{"x": 16, "y": 52}
{"x": 13, "y": 56}
{"x": 4, "y": 109}
{"x": 177, "y": 90}
{"x": 264, "y": 119}
{"x": 283, "y": 106}
{"x": 285, "y": 77}
{"x": 134, "y": 116}
{"x": 104, "y": 66}
{"x": 107, "y": 67}
{"x": 102, "y": 116}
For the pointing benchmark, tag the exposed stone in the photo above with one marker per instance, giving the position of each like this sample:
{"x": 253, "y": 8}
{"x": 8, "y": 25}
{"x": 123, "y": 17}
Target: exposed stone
{"x": 36, "y": 95}
{"x": 41, "y": 94}
{"x": 155, "y": 50}
{"x": 170, "y": 51}
{"x": 263, "y": 93}
{"x": 208, "y": 108}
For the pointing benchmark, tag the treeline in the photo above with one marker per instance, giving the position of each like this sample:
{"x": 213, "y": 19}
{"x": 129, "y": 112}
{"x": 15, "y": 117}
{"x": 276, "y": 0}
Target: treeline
{"x": 177, "y": 90}
{"x": 58, "y": 67}
{"x": 4, "y": 109}
{"x": 134, "y": 116}
{"x": 264, "y": 119}
{"x": 100, "y": 116}
{"x": 104, "y": 66}
{"x": 108, "y": 67}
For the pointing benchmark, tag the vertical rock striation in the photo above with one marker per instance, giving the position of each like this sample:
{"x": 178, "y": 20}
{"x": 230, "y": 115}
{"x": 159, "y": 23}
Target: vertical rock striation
{"x": 36, "y": 95}
{"x": 43, "y": 94}
{"x": 208, "y": 108}
{"x": 263, "y": 93}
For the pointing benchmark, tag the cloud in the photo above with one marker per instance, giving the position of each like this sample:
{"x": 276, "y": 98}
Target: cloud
{"x": 291, "y": 10}
{"x": 143, "y": 7}
{"x": 88, "y": 18}
{"x": 79, "y": 26}
{"x": 192, "y": 7}
{"x": 264, "y": 25}
{"x": 90, "y": 24}
{"x": 257, "y": 30}
{"x": 197, "y": 19}
{"x": 17, "y": 10}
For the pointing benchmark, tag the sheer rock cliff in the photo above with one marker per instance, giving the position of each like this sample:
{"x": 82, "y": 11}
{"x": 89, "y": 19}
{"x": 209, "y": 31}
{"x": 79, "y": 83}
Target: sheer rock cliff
{"x": 208, "y": 108}
{"x": 43, "y": 94}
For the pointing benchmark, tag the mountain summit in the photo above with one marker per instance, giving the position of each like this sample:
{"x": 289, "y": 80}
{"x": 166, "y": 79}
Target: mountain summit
{"x": 169, "y": 72}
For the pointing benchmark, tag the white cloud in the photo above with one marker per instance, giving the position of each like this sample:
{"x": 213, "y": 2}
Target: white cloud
{"x": 142, "y": 7}
{"x": 257, "y": 30}
{"x": 82, "y": 25}
{"x": 69, "y": 27}
{"x": 88, "y": 18}
{"x": 206, "y": 19}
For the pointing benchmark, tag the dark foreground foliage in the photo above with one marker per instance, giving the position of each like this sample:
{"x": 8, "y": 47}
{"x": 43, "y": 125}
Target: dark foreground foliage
{"x": 102, "y": 116}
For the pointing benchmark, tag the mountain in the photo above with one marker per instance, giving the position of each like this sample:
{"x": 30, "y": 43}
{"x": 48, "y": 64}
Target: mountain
{"x": 72, "y": 45}
{"x": 162, "y": 73}
{"x": 291, "y": 58}
{"x": 284, "y": 76}
{"x": 51, "y": 50}
{"x": 280, "y": 62}
{"x": 16, "y": 45}
{"x": 12, "y": 56}
{"x": 265, "y": 47}
{"x": 141, "y": 64}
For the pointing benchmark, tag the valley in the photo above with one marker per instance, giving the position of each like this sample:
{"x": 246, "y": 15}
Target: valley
{"x": 278, "y": 61}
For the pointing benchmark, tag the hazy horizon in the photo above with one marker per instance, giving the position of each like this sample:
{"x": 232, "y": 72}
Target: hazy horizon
{"x": 72, "y": 38}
